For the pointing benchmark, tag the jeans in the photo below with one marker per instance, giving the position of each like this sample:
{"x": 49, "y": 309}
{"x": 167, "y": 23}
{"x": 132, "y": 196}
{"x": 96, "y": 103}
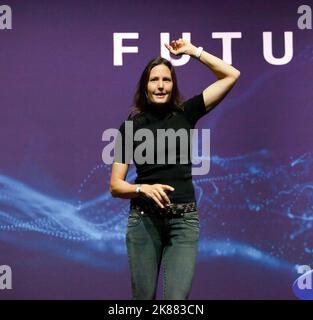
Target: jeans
{"x": 153, "y": 240}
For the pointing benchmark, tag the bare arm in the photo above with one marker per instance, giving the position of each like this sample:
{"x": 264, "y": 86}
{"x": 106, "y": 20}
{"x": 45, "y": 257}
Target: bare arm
{"x": 118, "y": 186}
{"x": 227, "y": 75}
{"x": 122, "y": 189}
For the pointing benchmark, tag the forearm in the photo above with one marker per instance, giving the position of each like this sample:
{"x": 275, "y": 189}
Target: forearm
{"x": 219, "y": 67}
{"x": 123, "y": 189}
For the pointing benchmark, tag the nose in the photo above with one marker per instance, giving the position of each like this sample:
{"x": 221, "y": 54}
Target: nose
{"x": 160, "y": 85}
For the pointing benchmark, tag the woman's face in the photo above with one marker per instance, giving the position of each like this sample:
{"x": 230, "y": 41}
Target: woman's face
{"x": 160, "y": 84}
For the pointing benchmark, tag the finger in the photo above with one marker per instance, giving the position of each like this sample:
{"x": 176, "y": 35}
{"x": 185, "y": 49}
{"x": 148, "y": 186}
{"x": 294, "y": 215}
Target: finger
{"x": 157, "y": 201}
{"x": 174, "y": 44}
{"x": 173, "y": 52}
{"x": 165, "y": 197}
{"x": 167, "y": 187}
{"x": 169, "y": 48}
{"x": 157, "y": 194}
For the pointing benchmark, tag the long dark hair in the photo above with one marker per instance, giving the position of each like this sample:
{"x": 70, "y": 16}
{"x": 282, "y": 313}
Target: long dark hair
{"x": 140, "y": 98}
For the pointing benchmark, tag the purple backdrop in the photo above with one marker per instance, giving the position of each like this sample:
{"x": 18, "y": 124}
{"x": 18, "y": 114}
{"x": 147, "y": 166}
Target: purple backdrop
{"x": 61, "y": 232}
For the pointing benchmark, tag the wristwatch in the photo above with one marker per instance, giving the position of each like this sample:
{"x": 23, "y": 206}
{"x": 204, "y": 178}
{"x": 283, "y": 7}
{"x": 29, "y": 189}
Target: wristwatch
{"x": 198, "y": 52}
{"x": 138, "y": 188}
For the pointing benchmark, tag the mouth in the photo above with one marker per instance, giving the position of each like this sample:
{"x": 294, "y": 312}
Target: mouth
{"x": 160, "y": 95}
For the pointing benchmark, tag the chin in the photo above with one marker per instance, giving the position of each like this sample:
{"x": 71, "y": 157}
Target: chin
{"x": 160, "y": 102}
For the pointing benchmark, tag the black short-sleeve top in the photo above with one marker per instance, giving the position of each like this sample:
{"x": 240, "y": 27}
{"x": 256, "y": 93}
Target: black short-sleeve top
{"x": 160, "y": 169}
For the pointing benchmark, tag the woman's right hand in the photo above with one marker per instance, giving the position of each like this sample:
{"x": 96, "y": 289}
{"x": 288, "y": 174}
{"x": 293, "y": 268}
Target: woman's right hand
{"x": 157, "y": 192}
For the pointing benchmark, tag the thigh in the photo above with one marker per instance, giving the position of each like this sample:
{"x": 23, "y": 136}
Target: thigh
{"x": 144, "y": 248}
{"x": 180, "y": 256}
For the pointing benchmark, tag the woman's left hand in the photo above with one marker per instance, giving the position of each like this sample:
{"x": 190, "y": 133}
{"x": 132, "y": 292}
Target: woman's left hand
{"x": 181, "y": 46}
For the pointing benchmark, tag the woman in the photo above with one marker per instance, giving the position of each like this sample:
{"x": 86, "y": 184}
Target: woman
{"x": 163, "y": 223}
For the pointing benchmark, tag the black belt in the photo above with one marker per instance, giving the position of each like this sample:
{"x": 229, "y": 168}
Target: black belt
{"x": 176, "y": 209}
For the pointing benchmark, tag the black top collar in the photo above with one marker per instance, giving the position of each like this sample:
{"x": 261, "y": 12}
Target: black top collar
{"x": 158, "y": 111}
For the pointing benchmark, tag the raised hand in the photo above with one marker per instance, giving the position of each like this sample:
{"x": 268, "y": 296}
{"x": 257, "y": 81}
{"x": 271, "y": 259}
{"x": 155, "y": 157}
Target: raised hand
{"x": 181, "y": 46}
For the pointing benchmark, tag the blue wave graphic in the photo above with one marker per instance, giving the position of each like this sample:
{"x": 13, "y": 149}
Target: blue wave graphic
{"x": 249, "y": 199}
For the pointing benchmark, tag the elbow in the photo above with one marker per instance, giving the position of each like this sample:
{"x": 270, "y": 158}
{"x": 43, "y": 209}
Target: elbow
{"x": 236, "y": 75}
{"x": 233, "y": 77}
{"x": 113, "y": 191}
{"x": 116, "y": 188}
